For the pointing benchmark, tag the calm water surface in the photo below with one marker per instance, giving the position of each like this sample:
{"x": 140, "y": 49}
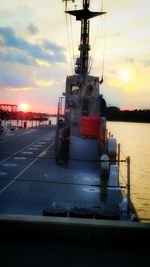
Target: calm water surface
{"x": 135, "y": 142}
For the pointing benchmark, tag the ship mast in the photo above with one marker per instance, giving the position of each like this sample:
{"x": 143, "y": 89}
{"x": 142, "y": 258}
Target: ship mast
{"x": 84, "y": 15}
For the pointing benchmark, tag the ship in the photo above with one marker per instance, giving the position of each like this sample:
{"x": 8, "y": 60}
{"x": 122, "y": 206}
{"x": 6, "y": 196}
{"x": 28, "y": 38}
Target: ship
{"x": 83, "y": 144}
{"x": 90, "y": 219}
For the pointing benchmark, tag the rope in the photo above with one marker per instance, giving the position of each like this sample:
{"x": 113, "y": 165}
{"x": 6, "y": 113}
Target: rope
{"x": 66, "y": 183}
{"x": 123, "y": 178}
{"x": 123, "y": 154}
{"x": 47, "y": 157}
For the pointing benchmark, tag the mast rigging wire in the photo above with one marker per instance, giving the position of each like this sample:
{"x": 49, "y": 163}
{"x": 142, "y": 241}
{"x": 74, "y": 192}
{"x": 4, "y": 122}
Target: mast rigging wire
{"x": 104, "y": 32}
{"x": 101, "y": 5}
{"x": 69, "y": 44}
{"x": 93, "y": 49}
{"x": 72, "y": 41}
{"x": 104, "y": 49}
{"x": 97, "y": 36}
{"x": 68, "y": 39}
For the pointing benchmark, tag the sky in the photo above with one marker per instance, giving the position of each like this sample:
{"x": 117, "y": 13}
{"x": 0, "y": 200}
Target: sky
{"x": 38, "y": 45}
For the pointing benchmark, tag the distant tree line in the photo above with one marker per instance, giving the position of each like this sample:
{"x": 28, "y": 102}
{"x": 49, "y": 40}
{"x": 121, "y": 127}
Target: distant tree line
{"x": 112, "y": 114}
{"x": 115, "y": 114}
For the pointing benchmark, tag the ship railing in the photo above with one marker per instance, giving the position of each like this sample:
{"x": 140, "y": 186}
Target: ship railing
{"x": 122, "y": 172}
{"x": 127, "y": 181}
{"x": 123, "y": 182}
{"x": 60, "y": 117}
{"x": 125, "y": 178}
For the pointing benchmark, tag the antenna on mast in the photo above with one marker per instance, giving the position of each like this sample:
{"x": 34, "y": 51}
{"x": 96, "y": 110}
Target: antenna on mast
{"x": 66, "y": 3}
{"x": 84, "y": 15}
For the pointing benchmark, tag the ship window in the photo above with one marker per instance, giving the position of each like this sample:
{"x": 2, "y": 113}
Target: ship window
{"x": 74, "y": 90}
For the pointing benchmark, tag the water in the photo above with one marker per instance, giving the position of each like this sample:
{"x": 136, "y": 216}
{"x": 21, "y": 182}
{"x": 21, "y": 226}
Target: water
{"x": 135, "y": 142}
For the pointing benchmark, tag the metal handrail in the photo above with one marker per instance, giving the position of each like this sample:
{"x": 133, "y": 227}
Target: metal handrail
{"x": 128, "y": 184}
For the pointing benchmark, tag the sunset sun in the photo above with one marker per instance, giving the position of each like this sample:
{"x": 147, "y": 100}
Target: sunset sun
{"x": 125, "y": 75}
{"x": 23, "y": 106}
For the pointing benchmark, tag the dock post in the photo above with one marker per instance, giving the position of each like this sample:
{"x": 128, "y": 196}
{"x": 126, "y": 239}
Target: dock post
{"x": 118, "y": 154}
{"x": 118, "y": 159}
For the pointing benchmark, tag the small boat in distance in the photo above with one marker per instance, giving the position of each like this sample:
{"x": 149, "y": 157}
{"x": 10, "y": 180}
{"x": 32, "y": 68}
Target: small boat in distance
{"x": 84, "y": 150}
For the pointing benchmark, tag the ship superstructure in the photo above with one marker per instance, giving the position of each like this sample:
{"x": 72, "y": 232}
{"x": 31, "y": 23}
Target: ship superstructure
{"x": 82, "y": 96}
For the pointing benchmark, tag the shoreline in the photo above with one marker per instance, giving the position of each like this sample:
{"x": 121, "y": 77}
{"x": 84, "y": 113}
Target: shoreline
{"x": 146, "y": 122}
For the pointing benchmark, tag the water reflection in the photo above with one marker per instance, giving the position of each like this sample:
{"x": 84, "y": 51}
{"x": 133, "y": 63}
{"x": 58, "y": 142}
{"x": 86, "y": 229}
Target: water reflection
{"x": 135, "y": 141}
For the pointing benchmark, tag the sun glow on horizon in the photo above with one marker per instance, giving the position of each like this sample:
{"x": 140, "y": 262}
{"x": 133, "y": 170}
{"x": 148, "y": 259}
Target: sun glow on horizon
{"x": 24, "y": 106}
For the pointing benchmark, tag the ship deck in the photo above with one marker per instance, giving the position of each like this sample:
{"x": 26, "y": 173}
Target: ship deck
{"x": 31, "y": 181}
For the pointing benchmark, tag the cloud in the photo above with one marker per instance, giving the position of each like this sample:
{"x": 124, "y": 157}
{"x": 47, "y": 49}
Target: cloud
{"x": 49, "y": 52}
{"x": 14, "y": 57}
{"x": 45, "y": 83}
{"x": 32, "y": 28}
{"x": 52, "y": 46}
{"x": 57, "y": 49}
{"x": 129, "y": 59}
{"x": 147, "y": 63}
{"x": 16, "y": 76}
{"x": 21, "y": 89}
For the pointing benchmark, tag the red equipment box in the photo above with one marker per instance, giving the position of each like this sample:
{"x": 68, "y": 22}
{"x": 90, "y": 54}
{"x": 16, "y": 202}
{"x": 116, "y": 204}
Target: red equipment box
{"x": 90, "y": 126}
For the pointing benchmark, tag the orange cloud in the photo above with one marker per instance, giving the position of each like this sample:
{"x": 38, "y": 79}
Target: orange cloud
{"x": 21, "y": 89}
